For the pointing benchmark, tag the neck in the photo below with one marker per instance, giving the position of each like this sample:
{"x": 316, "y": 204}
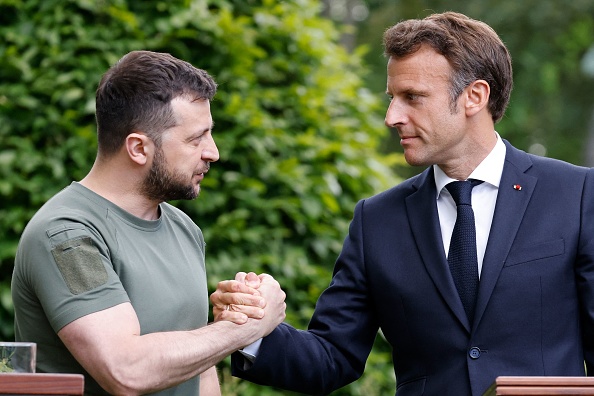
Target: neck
{"x": 475, "y": 149}
{"x": 119, "y": 185}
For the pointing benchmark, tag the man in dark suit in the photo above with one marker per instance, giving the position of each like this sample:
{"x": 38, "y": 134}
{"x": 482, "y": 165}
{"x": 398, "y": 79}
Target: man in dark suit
{"x": 526, "y": 304}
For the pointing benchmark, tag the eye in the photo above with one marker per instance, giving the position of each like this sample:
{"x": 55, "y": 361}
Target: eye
{"x": 196, "y": 139}
{"x": 412, "y": 96}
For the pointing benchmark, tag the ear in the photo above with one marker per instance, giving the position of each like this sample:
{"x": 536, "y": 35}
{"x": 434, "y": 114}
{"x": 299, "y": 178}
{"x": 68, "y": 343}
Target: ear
{"x": 477, "y": 97}
{"x": 139, "y": 147}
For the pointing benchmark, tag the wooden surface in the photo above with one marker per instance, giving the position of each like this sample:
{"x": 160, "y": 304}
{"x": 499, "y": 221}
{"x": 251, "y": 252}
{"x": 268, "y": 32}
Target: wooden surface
{"x": 541, "y": 386}
{"x": 41, "y": 384}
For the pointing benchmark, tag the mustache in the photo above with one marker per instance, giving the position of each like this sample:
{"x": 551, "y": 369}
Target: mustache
{"x": 206, "y": 168}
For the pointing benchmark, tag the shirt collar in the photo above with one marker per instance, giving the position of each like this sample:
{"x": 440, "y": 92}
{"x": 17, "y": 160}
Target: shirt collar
{"x": 489, "y": 170}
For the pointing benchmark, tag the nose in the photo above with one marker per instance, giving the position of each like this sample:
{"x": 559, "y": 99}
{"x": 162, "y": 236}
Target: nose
{"x": 210, "y": 152}
{"x": 395, "y": 115}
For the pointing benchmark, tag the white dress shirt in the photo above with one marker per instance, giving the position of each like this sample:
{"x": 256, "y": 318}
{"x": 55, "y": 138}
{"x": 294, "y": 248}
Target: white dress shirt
{"x": 484, "y": 197}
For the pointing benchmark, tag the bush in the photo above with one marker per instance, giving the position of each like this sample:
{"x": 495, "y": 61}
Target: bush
{"x": 296, "y": 130}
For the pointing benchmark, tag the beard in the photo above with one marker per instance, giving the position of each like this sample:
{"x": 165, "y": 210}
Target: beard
{"x": 163, "y": 185}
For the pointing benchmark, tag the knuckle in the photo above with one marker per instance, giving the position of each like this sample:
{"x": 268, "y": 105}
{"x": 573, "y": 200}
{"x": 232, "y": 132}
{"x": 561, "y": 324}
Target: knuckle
{"x": 235, "y": 286}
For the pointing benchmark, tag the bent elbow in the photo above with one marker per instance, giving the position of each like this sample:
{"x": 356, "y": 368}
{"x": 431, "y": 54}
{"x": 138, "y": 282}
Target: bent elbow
{"x": 122, "y": 381}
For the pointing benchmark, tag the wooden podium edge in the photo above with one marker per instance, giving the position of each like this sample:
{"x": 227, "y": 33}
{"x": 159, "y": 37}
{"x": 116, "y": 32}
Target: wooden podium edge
{"x": 41, "y": 384}
{"x": 507, "y": 385}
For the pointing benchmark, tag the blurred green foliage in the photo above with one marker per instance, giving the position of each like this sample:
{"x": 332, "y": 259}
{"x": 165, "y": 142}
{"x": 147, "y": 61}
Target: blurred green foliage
{"x": 296, "y": 128}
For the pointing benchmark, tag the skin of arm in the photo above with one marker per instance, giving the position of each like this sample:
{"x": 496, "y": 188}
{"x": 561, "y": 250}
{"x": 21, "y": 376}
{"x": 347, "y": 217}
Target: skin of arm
{"x": 209, "y": 383}
{"x": 109, "y": 346}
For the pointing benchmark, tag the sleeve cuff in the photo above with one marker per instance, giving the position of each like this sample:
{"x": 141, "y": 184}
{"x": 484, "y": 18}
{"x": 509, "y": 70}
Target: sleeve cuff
{"x": 251, "y": 351}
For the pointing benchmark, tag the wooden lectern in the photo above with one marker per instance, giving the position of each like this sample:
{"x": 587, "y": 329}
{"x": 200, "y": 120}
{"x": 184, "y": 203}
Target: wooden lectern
{"x": 41, "y": 384}
{"x": 541, "y": 386}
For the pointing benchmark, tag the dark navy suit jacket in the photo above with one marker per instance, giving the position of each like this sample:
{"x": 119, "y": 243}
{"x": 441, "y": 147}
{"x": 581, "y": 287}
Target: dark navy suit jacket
{"x": 535, "y": 309}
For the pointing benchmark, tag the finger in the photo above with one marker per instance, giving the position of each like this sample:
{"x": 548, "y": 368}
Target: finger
{"x": 240, "y": 277}
{"x": 247, "y": 310}
{"x": 220, "y": 300}
{"x": 264, "y": 275}
{"x": 233, "y": 286}
{"x": 252, "y": 280}
{"x": 266, "y": 278}
{"x": 231, "y": 316}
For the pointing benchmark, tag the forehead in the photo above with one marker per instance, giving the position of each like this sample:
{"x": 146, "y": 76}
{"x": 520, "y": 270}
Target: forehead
{"x": 191, "y": 119}
{"x": 423, "y": 68}
{"x": 190, "y": 110}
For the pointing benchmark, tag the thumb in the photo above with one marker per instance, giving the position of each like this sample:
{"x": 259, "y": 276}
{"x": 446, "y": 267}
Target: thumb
{"x": 252, "y": 280}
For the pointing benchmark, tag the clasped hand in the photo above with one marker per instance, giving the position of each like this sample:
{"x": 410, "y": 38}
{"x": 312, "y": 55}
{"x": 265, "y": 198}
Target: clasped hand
{"x": 250, "y": 297}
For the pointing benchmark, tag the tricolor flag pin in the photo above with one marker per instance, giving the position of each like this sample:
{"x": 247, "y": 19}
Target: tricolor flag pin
{"x": 517, "y": 187}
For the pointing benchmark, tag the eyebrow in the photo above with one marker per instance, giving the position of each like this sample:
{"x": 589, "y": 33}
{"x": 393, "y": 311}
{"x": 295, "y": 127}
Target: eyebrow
{"x": 210, "y": 128}
{"x": 199, "y": 133}
{"x": 408, "y": 90}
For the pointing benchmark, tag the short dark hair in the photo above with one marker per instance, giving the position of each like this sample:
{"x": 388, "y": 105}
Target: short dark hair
{"x": 473, "y": 49}
{"x": 135, "y": 95}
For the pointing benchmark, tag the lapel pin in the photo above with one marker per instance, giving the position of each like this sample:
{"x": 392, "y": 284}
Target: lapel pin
{"x": 517, "y": 187}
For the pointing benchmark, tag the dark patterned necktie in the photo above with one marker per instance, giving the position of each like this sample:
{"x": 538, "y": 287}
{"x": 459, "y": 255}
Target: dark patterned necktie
{"x": 462, "y": 257}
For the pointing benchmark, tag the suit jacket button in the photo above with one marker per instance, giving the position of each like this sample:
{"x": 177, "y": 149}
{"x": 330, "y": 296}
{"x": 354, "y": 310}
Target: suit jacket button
{"x": 474, "y": 353}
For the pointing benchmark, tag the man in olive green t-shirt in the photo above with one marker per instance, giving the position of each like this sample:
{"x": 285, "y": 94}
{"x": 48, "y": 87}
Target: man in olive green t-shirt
{"x": 109, "y": 279}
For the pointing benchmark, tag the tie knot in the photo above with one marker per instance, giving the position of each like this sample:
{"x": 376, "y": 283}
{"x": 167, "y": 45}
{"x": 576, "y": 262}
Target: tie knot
{"x": 462, "y": 190}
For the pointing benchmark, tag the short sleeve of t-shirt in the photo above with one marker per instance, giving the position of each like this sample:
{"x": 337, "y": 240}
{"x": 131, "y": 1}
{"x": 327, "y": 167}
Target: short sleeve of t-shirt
{"x": 72, "y": 274}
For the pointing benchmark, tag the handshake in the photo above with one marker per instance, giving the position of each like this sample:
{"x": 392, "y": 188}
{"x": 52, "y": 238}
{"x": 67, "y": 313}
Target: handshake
{"x": 254, "y": 300}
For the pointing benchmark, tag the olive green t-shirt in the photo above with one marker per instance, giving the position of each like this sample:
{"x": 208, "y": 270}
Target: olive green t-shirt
{"x": 81, "y": 254}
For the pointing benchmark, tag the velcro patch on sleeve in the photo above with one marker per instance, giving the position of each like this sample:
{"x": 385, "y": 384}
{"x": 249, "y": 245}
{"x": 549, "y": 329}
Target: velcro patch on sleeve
{"x": 80, "y": 263}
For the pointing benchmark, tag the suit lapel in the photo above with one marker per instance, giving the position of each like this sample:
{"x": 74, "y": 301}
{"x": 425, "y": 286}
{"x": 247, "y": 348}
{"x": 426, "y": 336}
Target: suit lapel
{"x": 509, "y": 211}
{"x": 421, "y": 207}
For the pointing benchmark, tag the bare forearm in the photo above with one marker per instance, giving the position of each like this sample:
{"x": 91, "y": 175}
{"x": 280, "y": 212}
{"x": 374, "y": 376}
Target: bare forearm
{"x": 172, "y": 358}
{"x": 153, "y": 362}
{"x": 109, "y": 346}
{"x": 209, "y": 383}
